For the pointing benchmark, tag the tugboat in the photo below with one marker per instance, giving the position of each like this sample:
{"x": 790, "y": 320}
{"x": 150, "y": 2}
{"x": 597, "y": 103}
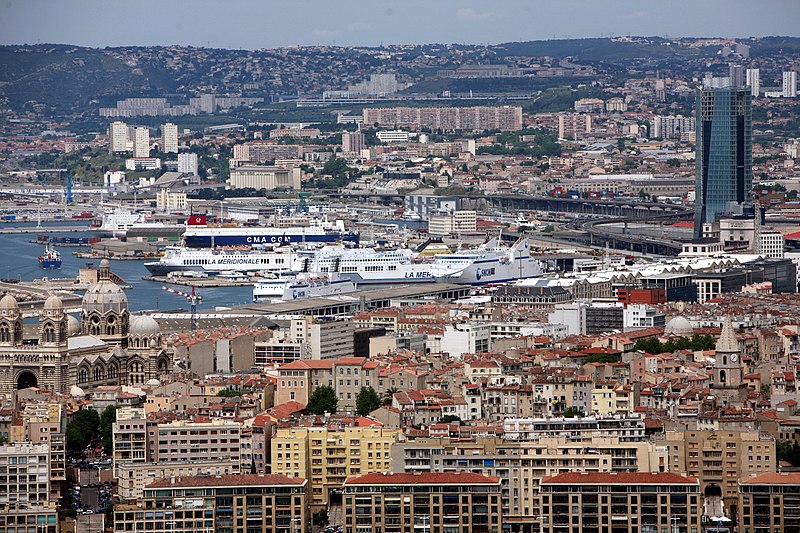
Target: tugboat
{"x": 51, "y": 259}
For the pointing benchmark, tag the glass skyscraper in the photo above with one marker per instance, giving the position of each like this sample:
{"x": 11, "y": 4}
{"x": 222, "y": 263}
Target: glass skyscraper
{"x": 724, "y": 152}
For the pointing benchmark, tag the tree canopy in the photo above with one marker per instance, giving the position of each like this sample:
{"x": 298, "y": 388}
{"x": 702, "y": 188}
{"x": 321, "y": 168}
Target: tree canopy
{"x": 322, "y": 400}
{"x": 367, "y": 401}
{"x": 655, "y": 346}
{"x": 83, "y": 429}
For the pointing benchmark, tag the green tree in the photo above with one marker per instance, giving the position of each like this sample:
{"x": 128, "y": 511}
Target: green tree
{"x": 765, "y": 391}
{"x": 367, "y": 401}
{"x": 573, "y": 412}
{"x": 229, "y": 393}
{"x": 322, "y": 400}
{"x": 602, "y": 358}
{"x": 447, "y": 419}
{"x": 107, "y": 420}
{"x": 84, "y": 427}
{"x": 788, "y": 451}
{"x": 76, "y": 441}
{"x": 651, "y": 345}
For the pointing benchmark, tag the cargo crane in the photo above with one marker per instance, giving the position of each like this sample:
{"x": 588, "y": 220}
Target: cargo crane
{"x": 193, "y": 298}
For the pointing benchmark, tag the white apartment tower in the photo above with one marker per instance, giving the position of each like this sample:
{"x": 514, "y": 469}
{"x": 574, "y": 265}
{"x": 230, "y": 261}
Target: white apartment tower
{"x": 790, "y": 84}
{"x": 169, "y": 138}
{"x": 141, "y": 142}
{"x": 754, "y": 81}
{"x": 187, "y": 163}
{"x": 118, "y": 137}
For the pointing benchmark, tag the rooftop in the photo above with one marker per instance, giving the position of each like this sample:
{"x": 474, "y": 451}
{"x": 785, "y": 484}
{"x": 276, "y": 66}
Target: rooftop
{"x": 228, "y": 480}
{"x": 439, "y": 478}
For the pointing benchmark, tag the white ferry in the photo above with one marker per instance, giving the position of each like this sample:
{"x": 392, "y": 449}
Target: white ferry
{"x": 369, "y": 266}
{"x": 121, "y": 222}
{"x": 182, "y": 259}
{"x": 293, "y": 287}
{"x": 489, "y": 263}
{"x": 199, "y": 234}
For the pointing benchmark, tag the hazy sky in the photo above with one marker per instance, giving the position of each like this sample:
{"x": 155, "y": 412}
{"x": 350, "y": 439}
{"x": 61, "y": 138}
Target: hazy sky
{"x": 267, "y": 23}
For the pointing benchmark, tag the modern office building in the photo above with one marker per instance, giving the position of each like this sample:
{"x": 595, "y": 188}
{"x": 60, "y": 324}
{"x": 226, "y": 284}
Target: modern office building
{"x": 611, "y": 502}
{"x": 724, "y": 176}
{"x": 240, "y": 503}
{"x": 448, "y": 503}
{"x": 169, "y": 138}
{"x": 118, "y": 137}
{"x": 141, "y": 142}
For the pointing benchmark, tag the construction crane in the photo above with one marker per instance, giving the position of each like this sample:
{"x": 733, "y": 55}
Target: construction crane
{"x": 193, "y": 298}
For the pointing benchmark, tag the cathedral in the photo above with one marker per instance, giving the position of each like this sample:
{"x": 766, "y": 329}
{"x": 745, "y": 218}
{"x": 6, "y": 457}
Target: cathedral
{"x": 107, "y": 346}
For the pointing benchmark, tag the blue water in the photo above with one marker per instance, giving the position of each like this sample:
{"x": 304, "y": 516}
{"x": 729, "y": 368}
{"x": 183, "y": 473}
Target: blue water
{"x": 18, "y": 259}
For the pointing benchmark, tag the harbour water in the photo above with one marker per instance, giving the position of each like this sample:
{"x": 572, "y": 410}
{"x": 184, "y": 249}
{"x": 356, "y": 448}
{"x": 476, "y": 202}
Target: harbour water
{"x": 18, "y": 260}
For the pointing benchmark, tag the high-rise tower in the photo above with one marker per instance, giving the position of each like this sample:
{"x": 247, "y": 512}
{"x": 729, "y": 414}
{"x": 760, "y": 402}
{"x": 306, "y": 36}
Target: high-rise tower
{"x": 724, "y": 154}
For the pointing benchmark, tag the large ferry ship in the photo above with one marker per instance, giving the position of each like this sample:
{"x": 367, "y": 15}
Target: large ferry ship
{"x": 180, "y": 259}
{"x": 489, "y": 263}
{"x": 370, "y": 266}
{"x": 294, "y": 287}
{"x": 198, "y": 234}
{"x": 122, "y": 223}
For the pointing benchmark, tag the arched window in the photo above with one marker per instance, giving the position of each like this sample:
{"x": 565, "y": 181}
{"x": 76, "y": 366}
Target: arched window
{"x": 112, "y": 372}
{"x": 84, "y": 376}
{"x": 98, "y": 374}
{"x": 17, "y": 332}
{"x": 5, "y": 333}
{"x": 62, "y": 332}
{"x": 723, "y": 376}
{"x": 49, "y": 333}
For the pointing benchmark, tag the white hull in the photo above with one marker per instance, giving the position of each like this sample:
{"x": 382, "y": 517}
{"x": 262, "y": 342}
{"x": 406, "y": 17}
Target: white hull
{"x": 177, "y": 259}
{"x": 295, "y": 288}
{"x": 488, "y": 264}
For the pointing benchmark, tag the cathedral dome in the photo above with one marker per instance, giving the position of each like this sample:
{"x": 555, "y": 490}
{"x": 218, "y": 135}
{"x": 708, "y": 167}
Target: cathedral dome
{"x": 105, "y": 296}
{"x": 8, "y": 305}
{"x": 144, "y": 326}
{"x": 679, "y": 326}
{"x": 53, "y": 303}
{"x": 76, "y": 392}
{"x": 73, "y": 326}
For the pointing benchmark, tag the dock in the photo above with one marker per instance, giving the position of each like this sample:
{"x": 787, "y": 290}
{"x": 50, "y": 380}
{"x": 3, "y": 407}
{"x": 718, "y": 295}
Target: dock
{"x": 361, "y": 300}
{"x": 44, "y": 229}
{"x": 200, "y": 282}
{"x": 31, "y": 298}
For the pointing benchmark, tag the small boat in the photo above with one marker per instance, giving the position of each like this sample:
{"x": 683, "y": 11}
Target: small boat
{"x": 51, "y": 259}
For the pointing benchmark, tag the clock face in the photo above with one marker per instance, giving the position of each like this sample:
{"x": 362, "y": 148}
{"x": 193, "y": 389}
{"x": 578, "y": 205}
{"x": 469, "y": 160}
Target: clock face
{"x": 734, "y": 358}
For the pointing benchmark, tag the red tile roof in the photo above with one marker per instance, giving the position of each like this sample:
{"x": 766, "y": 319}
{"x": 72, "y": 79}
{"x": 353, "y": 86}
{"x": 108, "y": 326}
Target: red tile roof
{"x": 774, "y": 478}
{"x": 439, "y": 478}
{"x": 227, "y": 480}
{"x": 638, "y": 478}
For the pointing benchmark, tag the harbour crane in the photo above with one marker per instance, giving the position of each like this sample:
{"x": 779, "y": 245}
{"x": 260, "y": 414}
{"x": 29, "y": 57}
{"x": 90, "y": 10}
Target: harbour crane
{"x": 193, "y": 298}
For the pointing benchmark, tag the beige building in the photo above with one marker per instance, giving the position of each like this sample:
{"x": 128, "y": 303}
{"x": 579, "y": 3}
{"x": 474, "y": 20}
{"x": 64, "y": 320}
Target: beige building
{"x": 326, "y": 456}
{"x": 264, "y": 177}
{"x": 770, "y": 503}
{"x": 44, "y": 423}
{"x": 170, "y": 201}
{"x": 298, "y": 379}
{"x": 719, "y": 458}
{"x": 619, "y": 502}
{"x": 454, "y": 502}
{"x": 132, "y": 478}
{"x": 521, "y": 466}
{"x": 504, "y": 118}
{"x": 118, "y": 137}
{"x": 141, "y": 142}
{"x": 169, "y": 138}
{"x": 25, "y": 502}
{"x": 454, "y": 222}
{"x": 234, "y": 503}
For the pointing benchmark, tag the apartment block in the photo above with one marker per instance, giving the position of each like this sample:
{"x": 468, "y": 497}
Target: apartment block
{"x": 521, "y": 466}
{"x": 504, "y": 118}
{"x": 25, "y": 502}
{"x": 241, "y": 503}
{"x": 169, "y": 138}
{"x": 265, "y": 177}
{"x": 620, "y": 503}
{"x": 132, "y": 478}
{"x": 44, "y": 423}
{"x": 719, "y": 458}
{"x": 448, "y": 503}
{"x": 326, "y": 457}
{"x": 770, "y": 503}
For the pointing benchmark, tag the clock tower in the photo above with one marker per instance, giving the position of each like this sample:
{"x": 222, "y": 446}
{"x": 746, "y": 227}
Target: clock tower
{"x": 728, "y": 385}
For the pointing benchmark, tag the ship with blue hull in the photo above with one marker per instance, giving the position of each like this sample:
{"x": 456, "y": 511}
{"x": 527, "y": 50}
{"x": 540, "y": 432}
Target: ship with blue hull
{"x": 50, "y": 259}
{"x": 206, "y": 236}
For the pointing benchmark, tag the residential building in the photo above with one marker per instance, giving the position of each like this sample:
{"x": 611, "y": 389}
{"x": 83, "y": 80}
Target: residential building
{"x": 326, "y": 456}
{"x": 45, "y": 423}
{"x": 450, "y": 503}
{"x": 393, "y": 136}
{"x": 452, "y": 223}
{"x": 753, "y": 80}
{"x": 132, "y": 478}
{"x": 169, "y": 138}
{"x": 265, "y": 177}
{"x": 504, "y": 118}
{"x": 770, "y": 502}
{"x": 790, "y": 84}
{"x": 141, "y": 142}
{"x": 187, "y": 163}
{"x": 724, "y": 173}
{"x": 25, "y": 501}
{"x": 640, "y": 316}
{"x": 593, "y": 502}
{"x": 118, "y": 137}
{"x": 719, "y": 458}
{"x": 353, "y": 143}
{"x": 239, "y": 503}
